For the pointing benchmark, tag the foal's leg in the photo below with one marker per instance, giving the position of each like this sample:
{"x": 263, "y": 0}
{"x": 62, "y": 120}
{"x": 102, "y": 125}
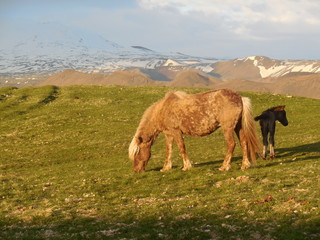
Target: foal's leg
{"x": 265, "y": 142}
{"x": 272, "y": 154}
{"x": 168, "y": 163}
{"x": 228, "y": 134}
{"x": 182, "y": 148}
{"x": 244, "y": 145}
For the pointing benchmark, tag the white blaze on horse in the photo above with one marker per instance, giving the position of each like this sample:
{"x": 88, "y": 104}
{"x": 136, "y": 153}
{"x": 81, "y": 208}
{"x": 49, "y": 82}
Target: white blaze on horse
{"x": 199, "y": 114}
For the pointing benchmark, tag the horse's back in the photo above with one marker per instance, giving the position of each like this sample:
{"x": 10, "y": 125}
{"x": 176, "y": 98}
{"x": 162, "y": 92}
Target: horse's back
{"x": 220, "y": 95}
{"x": 202, "y": 113}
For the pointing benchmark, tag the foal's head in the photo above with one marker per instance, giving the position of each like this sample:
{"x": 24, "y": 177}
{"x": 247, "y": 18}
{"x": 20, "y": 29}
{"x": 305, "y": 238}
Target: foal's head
{"x": 281, "y": 115}
{"x": 140, "y": 153}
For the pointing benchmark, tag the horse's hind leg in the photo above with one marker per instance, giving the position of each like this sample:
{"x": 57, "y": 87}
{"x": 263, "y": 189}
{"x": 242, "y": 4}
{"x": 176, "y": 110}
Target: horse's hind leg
{"x": 228, "y": 134}
{"x": 179, "y": 140}
{"x": 244, "y": 145}
{"x": 272, "y": 154}
{"x": 168, "y": 163}
{"x": 265, "y": 142}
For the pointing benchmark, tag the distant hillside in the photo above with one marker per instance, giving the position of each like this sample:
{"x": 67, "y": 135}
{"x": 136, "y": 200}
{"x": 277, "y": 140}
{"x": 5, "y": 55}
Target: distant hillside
{"x": 71, "y": 77}
{"x": 126, "y": 78}
{"x": 262, "y": 67}
{"x": 245, "y": 85}
{"x": 305, "y": 86}
{"x": 194, "y": 78}
{"x": 300, "y": 85}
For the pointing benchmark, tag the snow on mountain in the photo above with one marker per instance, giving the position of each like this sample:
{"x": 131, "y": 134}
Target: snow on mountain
{"x": 50, "y": 47}
{"x": 171, "y": 63}
{"x": 280, "y": 68}
{"x": 255, "y": 67}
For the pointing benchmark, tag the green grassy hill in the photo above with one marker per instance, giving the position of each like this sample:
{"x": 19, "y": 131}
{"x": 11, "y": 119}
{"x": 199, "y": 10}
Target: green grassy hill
{"x": 65, "y": 173}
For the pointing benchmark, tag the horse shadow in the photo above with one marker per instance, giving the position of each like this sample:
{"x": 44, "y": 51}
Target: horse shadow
{"x": 196, "y": 165}
{"x": 301, "y": 153}
{"x": 157, "y": 169}
{"x": 218, "y": 162}
{"x": 298, "y": 153}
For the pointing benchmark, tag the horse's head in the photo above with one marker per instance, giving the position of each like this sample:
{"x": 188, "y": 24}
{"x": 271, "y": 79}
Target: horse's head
{"x": 140, "y": 152}
{"x": 281, "y": 115}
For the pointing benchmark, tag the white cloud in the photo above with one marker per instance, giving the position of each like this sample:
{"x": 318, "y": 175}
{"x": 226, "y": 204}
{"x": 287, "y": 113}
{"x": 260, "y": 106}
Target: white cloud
{"x": 265, "y": 26}
{"x": 228, "y": 28}
{"x": 313, "y": 21}
{"x": 243, "y": 11}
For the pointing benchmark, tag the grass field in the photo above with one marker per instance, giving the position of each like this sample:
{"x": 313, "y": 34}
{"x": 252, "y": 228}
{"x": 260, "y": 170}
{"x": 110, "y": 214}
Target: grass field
{"x": 65, "y": 173}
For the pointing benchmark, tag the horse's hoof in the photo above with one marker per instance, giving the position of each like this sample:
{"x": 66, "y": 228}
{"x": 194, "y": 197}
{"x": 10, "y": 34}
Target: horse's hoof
{"x": 272, "y": 157}
{"x": 245, "y": 167}
{"x": 224, "y": 168}
{"x": 186, "y": 168}
{"x": 164, "y": 169}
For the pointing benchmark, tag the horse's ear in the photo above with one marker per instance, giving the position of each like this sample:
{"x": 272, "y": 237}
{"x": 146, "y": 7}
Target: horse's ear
{"x": 280, "y": 108}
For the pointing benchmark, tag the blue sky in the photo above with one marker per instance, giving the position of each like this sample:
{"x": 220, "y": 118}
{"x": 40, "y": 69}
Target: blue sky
{"x": 286, "y": 29}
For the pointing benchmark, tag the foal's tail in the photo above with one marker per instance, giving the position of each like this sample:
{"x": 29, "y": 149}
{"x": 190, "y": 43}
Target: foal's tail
{"x": 249, "y": 130}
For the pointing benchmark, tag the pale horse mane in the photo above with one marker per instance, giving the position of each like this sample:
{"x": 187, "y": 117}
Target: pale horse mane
{"x": 134, "y": 147}
{"x": 179, "y": 94}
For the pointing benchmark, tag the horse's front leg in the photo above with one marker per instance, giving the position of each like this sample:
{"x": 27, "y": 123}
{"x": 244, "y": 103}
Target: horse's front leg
{"x": 228, "y": 134}
{"x": 244, "y": 145}
{"x": 168, "y": 163}
{"x": 182, "y": 148}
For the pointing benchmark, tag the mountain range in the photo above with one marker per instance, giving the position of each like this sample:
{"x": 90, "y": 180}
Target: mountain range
{"x": 263, "y": 67}
{"x": 41, "y": 56}
{"x": 51, "y": 47}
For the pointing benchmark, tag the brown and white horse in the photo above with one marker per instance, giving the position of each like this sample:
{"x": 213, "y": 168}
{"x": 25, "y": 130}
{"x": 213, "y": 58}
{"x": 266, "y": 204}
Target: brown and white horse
{"x": 199, "y": 114}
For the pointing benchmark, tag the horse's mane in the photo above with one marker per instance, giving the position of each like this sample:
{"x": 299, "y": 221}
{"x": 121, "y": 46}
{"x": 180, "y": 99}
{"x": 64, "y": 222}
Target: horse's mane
{"x": 179, "y": 94}
{"x": 150, "y": 111}
{"x": 277, "y": 108}
{"x": 134, "y": 148}
{"x": 146, "y": 116}
{"x": 265, "y": 114}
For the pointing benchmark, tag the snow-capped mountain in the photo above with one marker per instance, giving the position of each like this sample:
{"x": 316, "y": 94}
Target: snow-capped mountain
{"x": 255, "y": 67}
{"x": 51, "y": 47}
{"x": 278, "y": 68}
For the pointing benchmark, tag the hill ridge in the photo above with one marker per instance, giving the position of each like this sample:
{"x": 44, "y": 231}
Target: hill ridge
{"x": 300, "y": 85}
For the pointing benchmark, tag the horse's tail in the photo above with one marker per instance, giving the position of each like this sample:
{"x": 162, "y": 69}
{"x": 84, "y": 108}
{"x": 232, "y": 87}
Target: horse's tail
{"x": 249, "y": 130}
{"x": 262, "y": 116}
{"x": 257, "y": 118}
